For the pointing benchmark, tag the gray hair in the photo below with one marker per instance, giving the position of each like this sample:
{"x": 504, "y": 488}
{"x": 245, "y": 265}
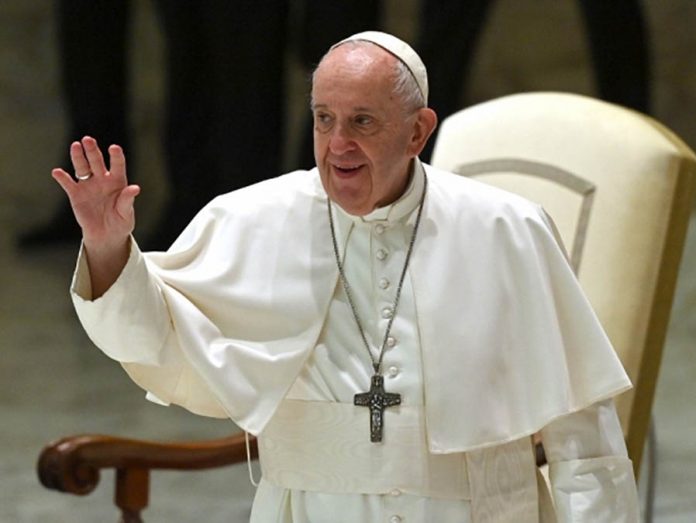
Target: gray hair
{"x": 405, "y": 85}
{"x": 406, "y": 88}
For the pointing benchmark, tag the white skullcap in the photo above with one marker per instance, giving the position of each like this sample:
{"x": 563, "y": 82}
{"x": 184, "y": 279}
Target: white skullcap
{"x": 401, "y": 50}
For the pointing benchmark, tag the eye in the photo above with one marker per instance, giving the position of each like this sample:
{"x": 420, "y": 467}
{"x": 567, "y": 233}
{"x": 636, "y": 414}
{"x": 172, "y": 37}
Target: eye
{"x": 363, "y": 120}
{"x": 322, "y": 120}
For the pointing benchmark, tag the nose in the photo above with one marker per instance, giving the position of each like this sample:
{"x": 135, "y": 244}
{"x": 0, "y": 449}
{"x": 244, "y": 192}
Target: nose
{"x": 341, "y": 140}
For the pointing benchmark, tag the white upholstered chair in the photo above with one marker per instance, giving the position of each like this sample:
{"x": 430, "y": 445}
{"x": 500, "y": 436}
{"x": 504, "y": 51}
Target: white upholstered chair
{"x": 619, "y": 187}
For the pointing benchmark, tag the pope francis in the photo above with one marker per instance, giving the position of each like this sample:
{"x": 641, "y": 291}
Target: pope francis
{"x": 393, "y": 334}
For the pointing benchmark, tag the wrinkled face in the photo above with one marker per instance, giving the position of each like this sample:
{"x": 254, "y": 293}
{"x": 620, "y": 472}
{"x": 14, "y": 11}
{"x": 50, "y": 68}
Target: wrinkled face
{"x": 364, "y": 140}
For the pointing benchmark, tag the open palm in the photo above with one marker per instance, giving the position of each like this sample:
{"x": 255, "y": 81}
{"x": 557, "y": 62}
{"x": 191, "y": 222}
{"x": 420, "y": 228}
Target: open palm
{"x": 103, "y": 202}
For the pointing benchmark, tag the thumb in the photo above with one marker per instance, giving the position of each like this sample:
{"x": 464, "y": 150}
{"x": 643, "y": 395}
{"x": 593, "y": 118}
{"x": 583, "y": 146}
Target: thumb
{"x": 64, "y": 180}
{"x": 124, "y": 202}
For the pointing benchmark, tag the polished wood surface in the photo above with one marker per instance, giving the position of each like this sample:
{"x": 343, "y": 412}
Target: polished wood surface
{"x": 73, "y": 464}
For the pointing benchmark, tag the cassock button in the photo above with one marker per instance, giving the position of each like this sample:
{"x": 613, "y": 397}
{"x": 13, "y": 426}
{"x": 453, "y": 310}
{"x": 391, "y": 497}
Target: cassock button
{"x": 395, "y": 492}
{"x": 381, "y": 255}
{"x": 391, "y": 341}
{"x": 393, "y": 371}
{"x": 379, "y": 228}
{"x": 384, "y": 283}
{"x": 387, "y": 312}
{"x": 395, "y": 519}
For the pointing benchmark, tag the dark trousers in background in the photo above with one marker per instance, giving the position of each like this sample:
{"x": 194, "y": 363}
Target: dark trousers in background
{"x": 95, "y": 86}
{"x": 616, "y": 31}
{"x": 224, "y": 97}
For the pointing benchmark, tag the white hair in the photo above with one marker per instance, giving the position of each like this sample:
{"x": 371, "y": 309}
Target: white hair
{"x": 406, "y": 87}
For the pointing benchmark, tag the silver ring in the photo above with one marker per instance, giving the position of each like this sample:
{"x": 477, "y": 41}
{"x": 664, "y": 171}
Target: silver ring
{"x": 84, "y": 177}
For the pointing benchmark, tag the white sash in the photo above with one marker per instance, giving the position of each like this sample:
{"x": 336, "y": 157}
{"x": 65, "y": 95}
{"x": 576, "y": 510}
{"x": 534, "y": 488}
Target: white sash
{"x": 324, "y": 446}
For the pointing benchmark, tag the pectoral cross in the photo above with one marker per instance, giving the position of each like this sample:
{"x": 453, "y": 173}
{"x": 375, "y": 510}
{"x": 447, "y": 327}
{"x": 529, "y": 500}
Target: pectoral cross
{"x": 378, "y": 400}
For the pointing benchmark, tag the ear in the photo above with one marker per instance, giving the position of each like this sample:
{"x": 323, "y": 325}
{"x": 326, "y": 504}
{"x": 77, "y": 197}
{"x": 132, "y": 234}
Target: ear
{"x": 423, "y": 127}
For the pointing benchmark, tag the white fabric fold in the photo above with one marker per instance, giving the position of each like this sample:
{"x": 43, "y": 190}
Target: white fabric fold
{"x": 503, "y": 483}
{"x": 141, "y": 341}
{"x": 590, "y": 475}
{"x": 501, "y": 311}
{"x": 599, "y": 490}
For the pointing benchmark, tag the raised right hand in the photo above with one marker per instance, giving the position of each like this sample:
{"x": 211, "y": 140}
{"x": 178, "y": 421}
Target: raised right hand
{"x": 103, "y": 203}
{"x": 103, "y": 207}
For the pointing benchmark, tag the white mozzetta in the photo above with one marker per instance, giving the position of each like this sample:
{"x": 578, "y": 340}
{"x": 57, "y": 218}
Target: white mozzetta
{"x": 508, "y": 341}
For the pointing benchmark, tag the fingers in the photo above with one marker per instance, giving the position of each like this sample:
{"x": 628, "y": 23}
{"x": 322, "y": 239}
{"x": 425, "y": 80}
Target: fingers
{"x": 87, "y": 158}
{"x": 79, "y": 161}
{"x": 63, "y": 179}
{"x": 117, "y": 161}
{"x": 124, "y": 203}
{"x": 93, "y": 155}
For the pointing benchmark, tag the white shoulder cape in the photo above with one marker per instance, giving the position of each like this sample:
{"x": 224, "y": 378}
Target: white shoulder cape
{"x": 509, "y": 342}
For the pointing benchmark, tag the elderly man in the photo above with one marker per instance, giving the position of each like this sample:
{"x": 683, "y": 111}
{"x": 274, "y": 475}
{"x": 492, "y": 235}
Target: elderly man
{"x": 394, "y": 334}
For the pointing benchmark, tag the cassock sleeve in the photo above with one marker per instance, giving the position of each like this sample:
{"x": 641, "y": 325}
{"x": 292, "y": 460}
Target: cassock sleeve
{"x": 590, "y": 474}
{"x": 137, "y": 301}
{"x": 131, "y": 323}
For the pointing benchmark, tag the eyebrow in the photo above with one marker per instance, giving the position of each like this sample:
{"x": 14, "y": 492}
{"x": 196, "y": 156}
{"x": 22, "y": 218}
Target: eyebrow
{"x": 358, "y": 109}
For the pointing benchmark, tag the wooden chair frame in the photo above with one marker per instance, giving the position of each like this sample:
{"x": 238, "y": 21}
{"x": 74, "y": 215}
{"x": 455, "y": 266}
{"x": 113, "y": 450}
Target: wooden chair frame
{"x": 73, "y": 464}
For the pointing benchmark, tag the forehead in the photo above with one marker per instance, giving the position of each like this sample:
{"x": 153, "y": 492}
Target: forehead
{"x": 354, "y": 72}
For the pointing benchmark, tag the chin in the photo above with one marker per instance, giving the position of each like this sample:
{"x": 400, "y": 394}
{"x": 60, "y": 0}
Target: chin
{"x": 350, "y": 205}
{"x": 355, "y": 210}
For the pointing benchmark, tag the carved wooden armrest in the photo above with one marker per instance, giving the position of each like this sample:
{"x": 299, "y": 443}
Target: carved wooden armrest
{"x": 72, "y": 464}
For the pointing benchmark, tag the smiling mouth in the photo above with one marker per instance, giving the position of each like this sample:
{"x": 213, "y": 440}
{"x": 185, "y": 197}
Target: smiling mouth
{"x": 346, "y": 170}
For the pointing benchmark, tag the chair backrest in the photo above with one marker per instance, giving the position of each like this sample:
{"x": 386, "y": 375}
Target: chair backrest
{"x": 618, "y": 185}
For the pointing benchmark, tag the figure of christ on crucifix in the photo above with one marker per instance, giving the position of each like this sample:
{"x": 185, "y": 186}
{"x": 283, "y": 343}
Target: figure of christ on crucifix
{"x": 377, "y": 399}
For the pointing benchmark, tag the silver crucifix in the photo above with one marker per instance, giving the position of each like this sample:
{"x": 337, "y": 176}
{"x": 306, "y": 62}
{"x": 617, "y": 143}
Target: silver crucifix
{"x": 378, "y": 400}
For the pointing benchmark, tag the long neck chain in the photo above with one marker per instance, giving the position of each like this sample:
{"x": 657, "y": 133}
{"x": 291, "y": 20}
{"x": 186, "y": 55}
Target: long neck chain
{"x": 376, "y": 362}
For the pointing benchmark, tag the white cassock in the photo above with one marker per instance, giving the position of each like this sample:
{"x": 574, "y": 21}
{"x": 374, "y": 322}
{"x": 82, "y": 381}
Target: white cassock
{"x": 492, "y": 341}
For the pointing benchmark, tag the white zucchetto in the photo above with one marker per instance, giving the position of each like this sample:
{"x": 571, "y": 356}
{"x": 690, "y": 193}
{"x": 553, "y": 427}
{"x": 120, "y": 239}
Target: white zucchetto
{"x": 398, "y": 48}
